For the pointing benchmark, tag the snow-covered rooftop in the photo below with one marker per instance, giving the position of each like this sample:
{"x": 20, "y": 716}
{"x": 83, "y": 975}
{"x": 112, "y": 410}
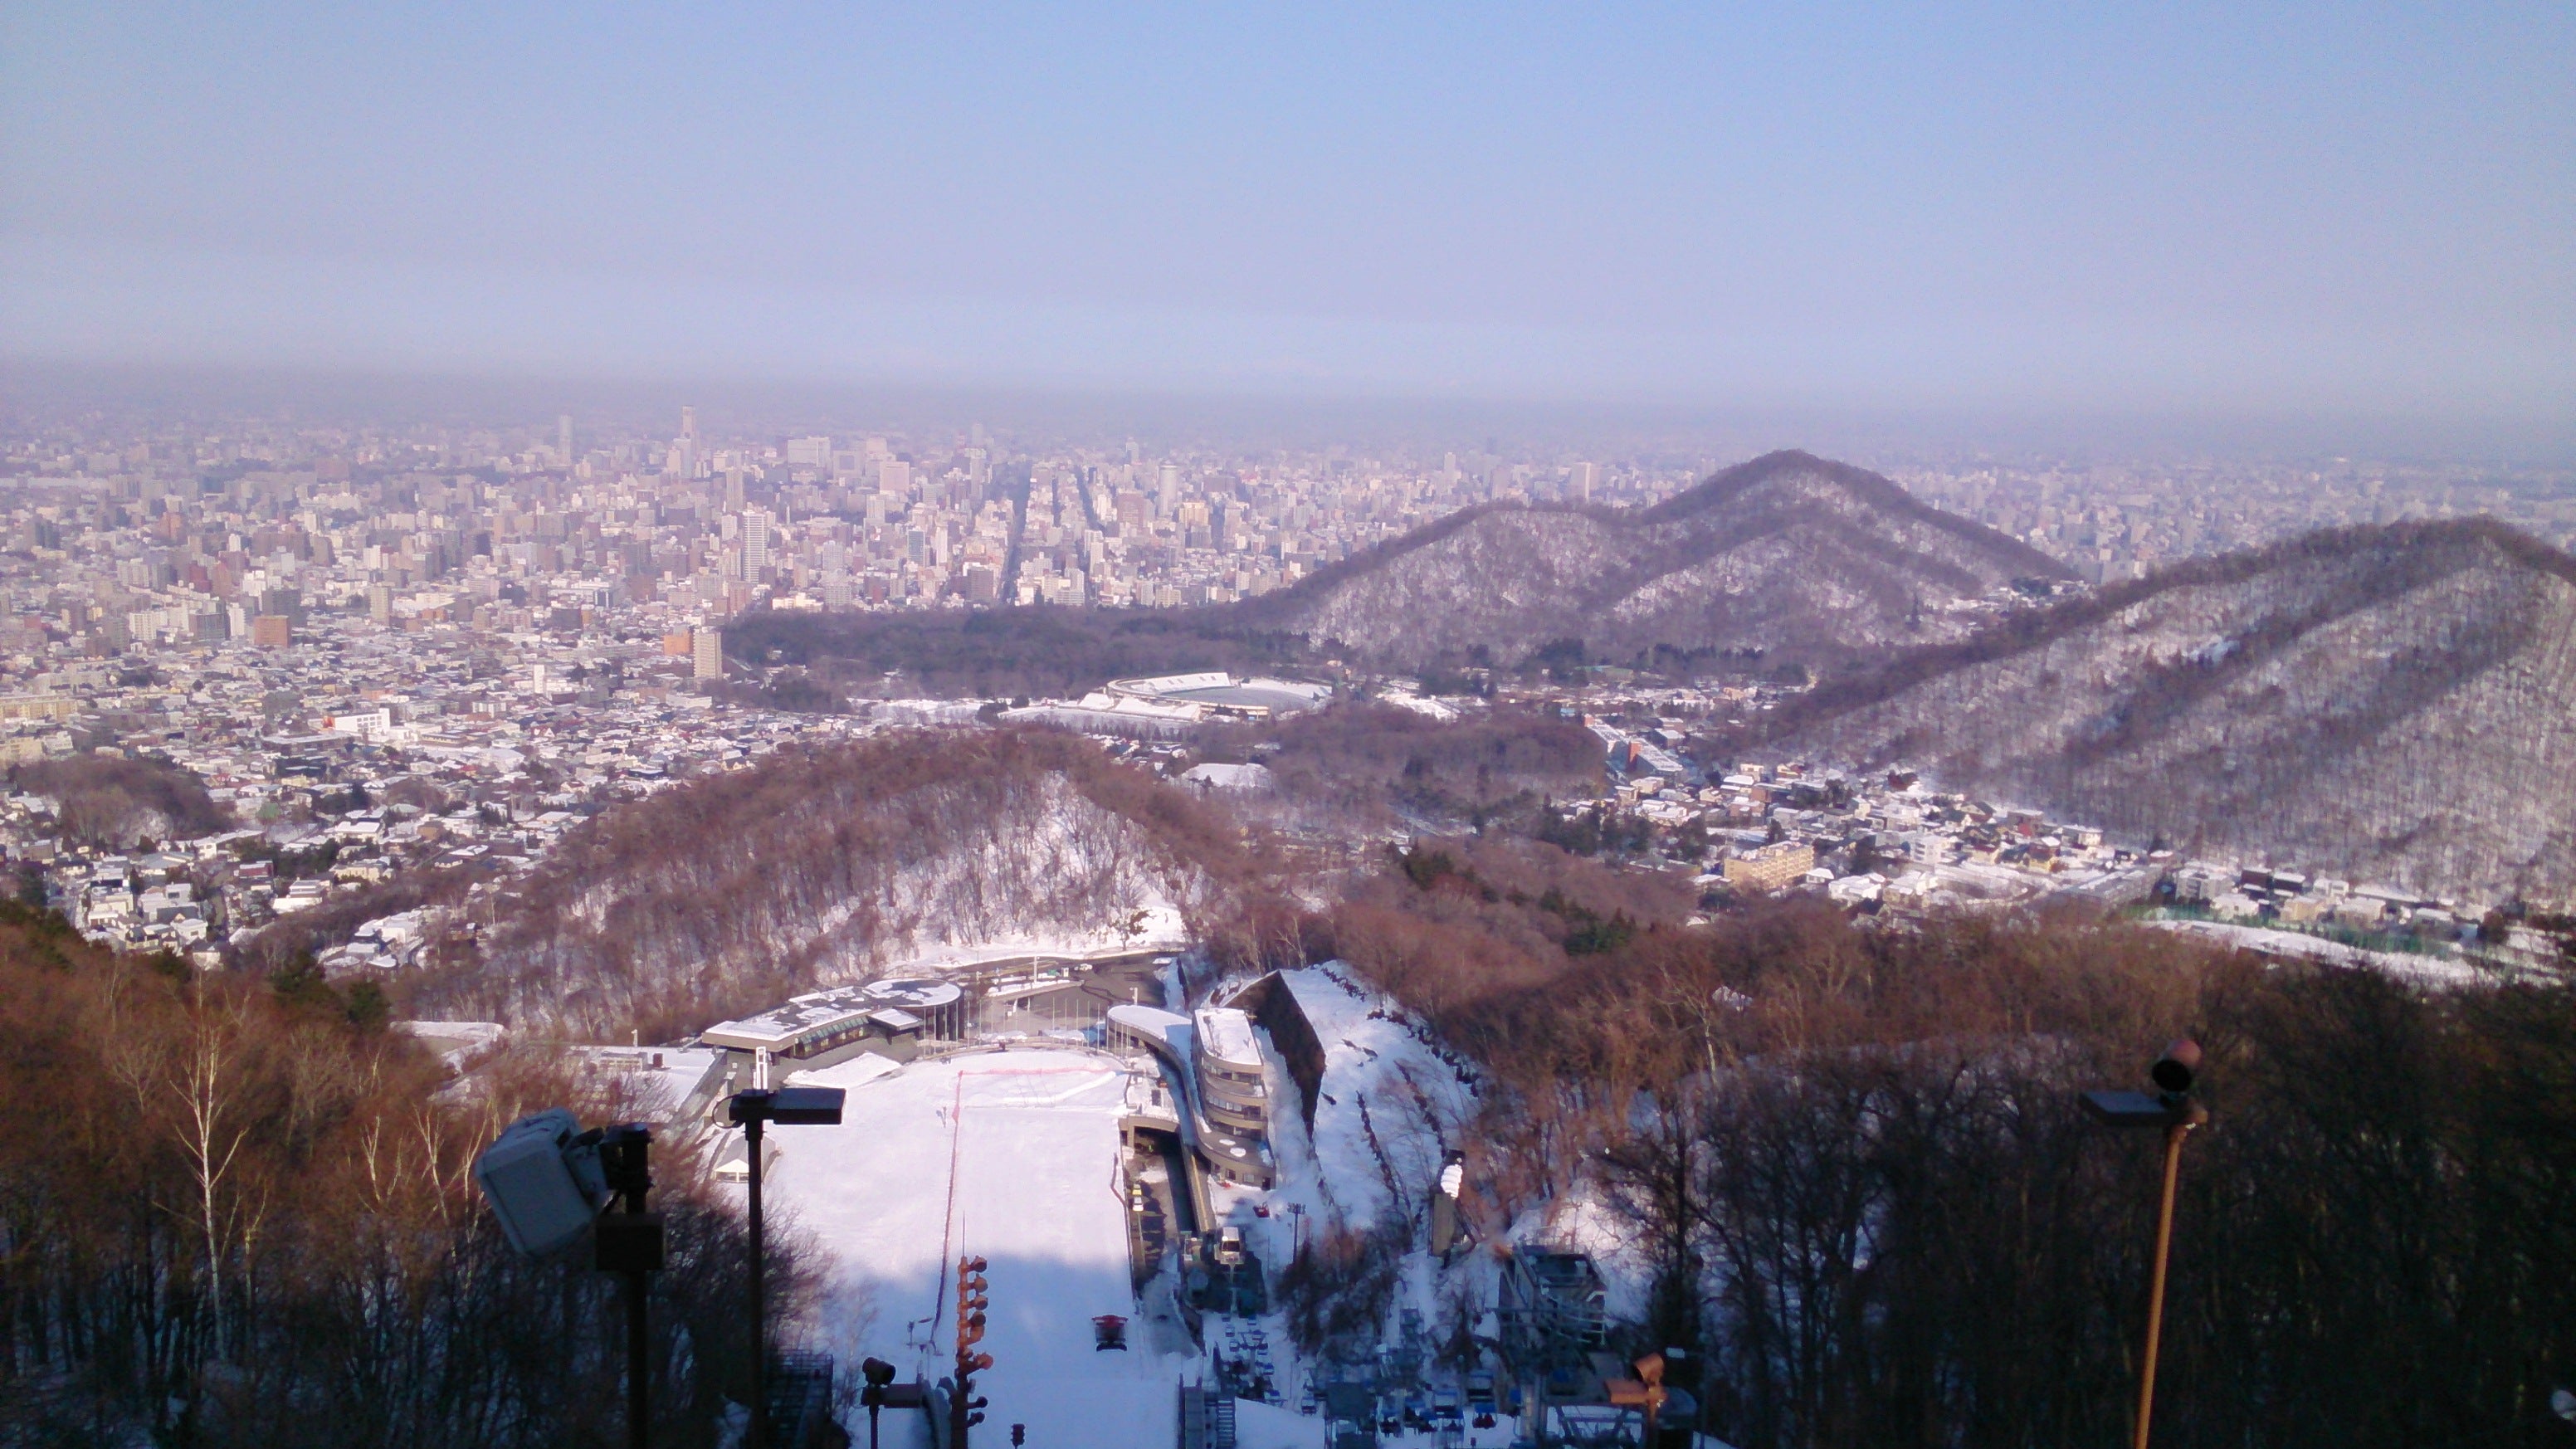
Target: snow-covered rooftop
{"x": 1226, "y": 1034}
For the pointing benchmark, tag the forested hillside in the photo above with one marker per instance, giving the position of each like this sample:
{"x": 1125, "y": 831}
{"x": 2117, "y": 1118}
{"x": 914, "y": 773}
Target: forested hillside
{"x": 1861, "y": 1190}
{"x": 1038, "y": 651}
{"x": 735, "y": 891}
{"x": 2387, "y": 704}
{"x": 1359, "y": 769}
{"x": 1786, "y": 553}
{"x": 237, "y": 1212}
{"x": 116, "y": 802}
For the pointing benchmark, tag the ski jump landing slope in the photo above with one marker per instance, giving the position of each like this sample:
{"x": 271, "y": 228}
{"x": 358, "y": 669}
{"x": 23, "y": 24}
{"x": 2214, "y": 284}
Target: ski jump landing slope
{"x": 1012, "y": 1155}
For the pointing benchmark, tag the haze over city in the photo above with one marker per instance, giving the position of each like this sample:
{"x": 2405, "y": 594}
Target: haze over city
{"x": 2353, "y": 210}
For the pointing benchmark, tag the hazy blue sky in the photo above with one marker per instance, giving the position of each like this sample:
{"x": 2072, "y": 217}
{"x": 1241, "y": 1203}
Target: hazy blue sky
{"x": 2150, "y": 207}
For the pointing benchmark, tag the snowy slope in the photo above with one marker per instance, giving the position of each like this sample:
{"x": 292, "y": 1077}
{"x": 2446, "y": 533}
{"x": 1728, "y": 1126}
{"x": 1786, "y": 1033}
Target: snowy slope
{"x": 1012, "y": 1155}
{"x": 1389, "y": 1107}
{"x": 2389, "y": 703}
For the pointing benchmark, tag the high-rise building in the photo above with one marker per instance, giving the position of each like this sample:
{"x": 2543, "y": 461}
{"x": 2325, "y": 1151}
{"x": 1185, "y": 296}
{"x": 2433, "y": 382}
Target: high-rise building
{"x": 563, "y": 438}
{"x": 1585, "y": 476}
{"x": 755, "y": 541}
{"x": 706, "y": 653}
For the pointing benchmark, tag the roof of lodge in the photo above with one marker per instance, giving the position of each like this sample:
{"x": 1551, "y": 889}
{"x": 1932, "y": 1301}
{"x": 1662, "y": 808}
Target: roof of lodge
{"x": 1225, "y": 1033}
{"x": 818, "y": 1014}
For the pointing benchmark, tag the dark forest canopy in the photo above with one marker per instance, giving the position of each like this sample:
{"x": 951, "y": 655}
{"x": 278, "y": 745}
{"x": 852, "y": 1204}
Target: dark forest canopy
{"x": 106, "y": 800}
{"x": 1038, "y": 651}
{"x": 1370, "y": 759}
{"x": 1873, "y": 1211}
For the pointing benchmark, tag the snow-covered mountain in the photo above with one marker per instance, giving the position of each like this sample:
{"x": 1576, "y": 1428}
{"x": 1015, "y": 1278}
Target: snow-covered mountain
{"x": 732, "y": 892}
{"x": 2390, "y": 703}
{"x": 1786, "y": 552}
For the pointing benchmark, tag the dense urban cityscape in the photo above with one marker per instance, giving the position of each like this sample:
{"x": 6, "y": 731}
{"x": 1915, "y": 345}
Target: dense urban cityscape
{"x": 384, "y": 650}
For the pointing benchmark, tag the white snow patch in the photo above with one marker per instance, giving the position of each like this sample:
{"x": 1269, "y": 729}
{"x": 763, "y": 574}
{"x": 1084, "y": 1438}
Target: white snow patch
{"x": 1013, "y": 1155}
{"x": 2430, "y": 970}
{"x": 1359, "y": 1165}
{"x": 1159, "y": 928}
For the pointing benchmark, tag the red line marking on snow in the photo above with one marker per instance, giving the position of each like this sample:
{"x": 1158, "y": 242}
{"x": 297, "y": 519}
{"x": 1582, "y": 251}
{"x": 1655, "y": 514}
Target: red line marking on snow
{"x": 948, "y": 1221}
{"x": 956, "y": 1141}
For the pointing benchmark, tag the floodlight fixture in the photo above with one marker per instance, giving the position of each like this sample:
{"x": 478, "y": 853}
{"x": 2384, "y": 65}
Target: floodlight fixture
{"x": 543, "y": 1179}
{"x": 789, "y": 1106}
{"x": 547, "y": 1181}
{"x": 879, "y": 1374}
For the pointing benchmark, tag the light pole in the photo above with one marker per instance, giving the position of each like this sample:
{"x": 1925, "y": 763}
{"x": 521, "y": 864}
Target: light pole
{"x": 629, "y": 1243}
{"x": 879, "y": 1374}
{"x": 2170, "y": 1107}
{"x": 788, "y": 1107}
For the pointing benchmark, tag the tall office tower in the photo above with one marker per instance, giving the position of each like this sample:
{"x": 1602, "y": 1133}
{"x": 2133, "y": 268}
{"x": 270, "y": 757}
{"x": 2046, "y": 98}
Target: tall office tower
{"x": 1167, "y": 487}
{"x": 1585, "y": 475}
{"x": 688, "y": 449}
{"x": 755, "y": 541}
{"x": 563, "y": 437}
{"x": 689, "y": 424}
{"x": 706, "y": 653}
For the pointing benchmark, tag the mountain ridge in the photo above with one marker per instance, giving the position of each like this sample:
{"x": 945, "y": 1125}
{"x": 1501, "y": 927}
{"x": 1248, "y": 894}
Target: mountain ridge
{"x": 2391, "y": 701}
{"x": 1786, "y": 550}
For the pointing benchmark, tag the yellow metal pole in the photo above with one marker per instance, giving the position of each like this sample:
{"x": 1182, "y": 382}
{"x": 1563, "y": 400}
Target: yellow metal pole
{"x": 2156, "y": 1287}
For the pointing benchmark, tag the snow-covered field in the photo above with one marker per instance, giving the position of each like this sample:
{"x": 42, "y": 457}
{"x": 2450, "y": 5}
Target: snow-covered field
{"x": 2429, "y": 970}
{"x": 1013, "y": 1155}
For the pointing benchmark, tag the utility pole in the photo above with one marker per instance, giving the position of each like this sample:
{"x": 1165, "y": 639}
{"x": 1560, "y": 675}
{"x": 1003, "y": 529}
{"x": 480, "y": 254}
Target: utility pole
{"x": 791, "y": 1106}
